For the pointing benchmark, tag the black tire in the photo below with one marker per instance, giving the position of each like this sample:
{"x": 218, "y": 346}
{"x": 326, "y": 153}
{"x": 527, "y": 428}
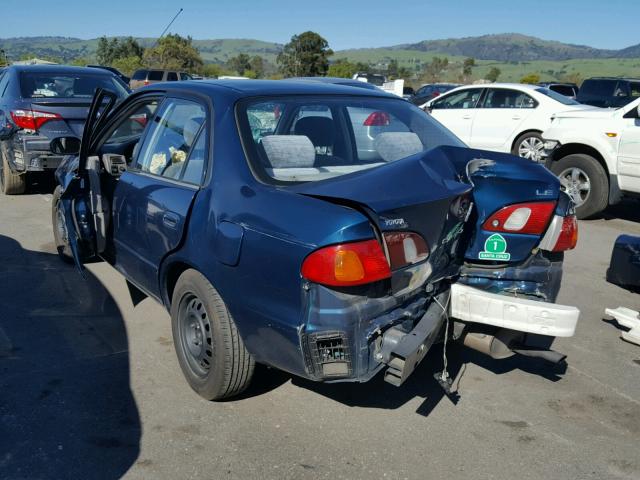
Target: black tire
{"x": 59, "y": 228}
{"x": 531, "y": 140}
{"x": 11, "y": 183}
{"x": 597, "y": 198}
{"x": 210, "y": 351}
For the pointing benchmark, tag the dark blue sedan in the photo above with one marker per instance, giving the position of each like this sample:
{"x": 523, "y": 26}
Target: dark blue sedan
{"x": 330, "y": 231}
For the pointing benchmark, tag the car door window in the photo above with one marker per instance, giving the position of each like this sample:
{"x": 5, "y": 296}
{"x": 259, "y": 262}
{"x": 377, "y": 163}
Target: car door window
{"x": 155, "y": 75}
{"x": 193, "y": 171}
{"x": 503, "y": 98}
{"x": 133, "y": 124}
{"x": 4, "y": 81}
{"x": 172, "y": 77}
{"x": 170, "y": 138}
{"x": 459, "y": 100}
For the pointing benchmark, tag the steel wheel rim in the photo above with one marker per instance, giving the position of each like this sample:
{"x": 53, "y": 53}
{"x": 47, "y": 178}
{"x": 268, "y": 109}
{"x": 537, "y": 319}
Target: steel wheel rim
{"x": 195, "y": 331}
{"x": 576, "y": 183}
{"x": 531, "y": 149}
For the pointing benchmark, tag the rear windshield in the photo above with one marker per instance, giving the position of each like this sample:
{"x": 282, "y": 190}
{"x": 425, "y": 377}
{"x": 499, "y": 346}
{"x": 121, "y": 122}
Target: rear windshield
{"x": 557, "y": 96}
{"x": 600, "y": 88}
{"x": 565, "y": 90}
{"x": 62, "y": 85}
{"x": 139, "y": 75}
{"x": 311, "y": 138}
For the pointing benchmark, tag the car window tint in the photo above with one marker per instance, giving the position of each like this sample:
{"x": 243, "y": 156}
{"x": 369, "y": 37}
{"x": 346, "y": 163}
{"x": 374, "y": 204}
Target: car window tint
{"x": 61, "y": 85}
{"x": 155, "y": 75}
{"x": 314, "y": 139}
{"x": 463, "y": 99}
{"x": 185, "y": 76}
{"x": 603, "y": 88}
{"x": 139, "y": 75}
{"x": 4, "y": 81}
{"x": 502, "y": 98}
{"x": 263, "y": 118}
{"x": 170, "y": 138}
{"x": 172, "y": 77}
{"x": 133, "y": 125}
{"x": 194, "y": 170}
{"x": 635, "y": 89}
{"x": 565, "y": 90}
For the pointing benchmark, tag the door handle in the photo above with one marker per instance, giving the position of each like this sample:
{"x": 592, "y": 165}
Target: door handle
{"x": 170, "y": 219}
{"x": 516, "y": 117}
{"x": 467, "y": 117}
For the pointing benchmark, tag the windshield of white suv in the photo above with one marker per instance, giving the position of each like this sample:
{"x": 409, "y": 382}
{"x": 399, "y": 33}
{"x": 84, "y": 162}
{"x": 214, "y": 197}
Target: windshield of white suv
{"x": 310, "y": 138}
{"x": 557, "y": 96}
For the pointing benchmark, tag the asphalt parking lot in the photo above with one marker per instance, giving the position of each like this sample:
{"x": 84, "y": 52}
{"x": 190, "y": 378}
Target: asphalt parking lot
{"x": 90, "y": 388}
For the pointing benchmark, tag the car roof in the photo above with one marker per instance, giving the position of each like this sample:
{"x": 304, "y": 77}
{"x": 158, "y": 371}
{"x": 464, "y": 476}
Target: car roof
{"x": 522, "y": 86}
{"x": 629, "y": 79}
{"x": 337, "y": 81}
{"x": 254, "y": 88}
{"x": 59, "y": 69}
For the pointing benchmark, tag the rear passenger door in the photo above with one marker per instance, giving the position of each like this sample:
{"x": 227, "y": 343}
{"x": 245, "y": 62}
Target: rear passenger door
{"x": 499, "y": 118}
{"x": 153, "y": 197}
{"x": 457, "y": 110}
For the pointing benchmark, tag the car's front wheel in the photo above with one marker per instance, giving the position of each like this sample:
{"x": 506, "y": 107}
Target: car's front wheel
{"x": 530, "y": 146}
{"x": 11, "y": 183}
{"x": 585, "y": 180}
{"x": 210, "y": 351}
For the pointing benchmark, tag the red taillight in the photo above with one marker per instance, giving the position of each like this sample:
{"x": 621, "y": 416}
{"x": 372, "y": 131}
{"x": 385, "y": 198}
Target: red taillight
{"x": 32, "y": 119}
{"x": 405, "y": 248}
{"x": 532, "y": 218}
{"x": 377, "y": 119}
{"x": 347, "y": 264}
{"x": 147, "y": 82}
{"x": 568, "y": 238}
{"x": 140, "y": 118}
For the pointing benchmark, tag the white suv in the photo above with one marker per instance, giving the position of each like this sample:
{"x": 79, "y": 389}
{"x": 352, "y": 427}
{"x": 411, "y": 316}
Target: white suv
{"x": 596, "y": 154}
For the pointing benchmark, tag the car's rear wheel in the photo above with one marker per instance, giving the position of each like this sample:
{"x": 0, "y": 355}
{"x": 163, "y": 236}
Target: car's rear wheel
{"x": 60, "y": 233}
{"x": 210, "y": 351}
{"x": 11, "y": 183}
{"x": 530, "y": 146}
{"x": 585, "y": 180}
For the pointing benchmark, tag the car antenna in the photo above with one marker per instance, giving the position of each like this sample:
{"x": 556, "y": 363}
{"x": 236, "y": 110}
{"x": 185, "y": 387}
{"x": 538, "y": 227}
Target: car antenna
{"x": 167, "y": 28}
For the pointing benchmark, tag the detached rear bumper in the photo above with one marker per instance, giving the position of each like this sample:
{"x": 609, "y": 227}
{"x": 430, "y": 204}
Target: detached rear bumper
{"x": 473, "y": 305}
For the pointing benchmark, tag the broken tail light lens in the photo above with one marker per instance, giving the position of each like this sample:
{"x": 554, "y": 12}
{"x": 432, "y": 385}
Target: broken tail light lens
{"x": 405, "y": 248}
{"x": 377, "y": 119}
{"x": 568, "y": 238}
{"x": 32, "y": 119}
{"x": 530, "y": 218}
{"x": 347, "y": 264}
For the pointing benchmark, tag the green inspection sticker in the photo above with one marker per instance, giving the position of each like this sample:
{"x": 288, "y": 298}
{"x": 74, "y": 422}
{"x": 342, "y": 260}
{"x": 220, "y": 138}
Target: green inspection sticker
{"x": 495, "y": 248}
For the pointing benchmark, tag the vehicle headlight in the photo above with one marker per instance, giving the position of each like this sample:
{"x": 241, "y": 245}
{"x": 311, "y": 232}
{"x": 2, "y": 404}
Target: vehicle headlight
{"x": 551, "y": 144}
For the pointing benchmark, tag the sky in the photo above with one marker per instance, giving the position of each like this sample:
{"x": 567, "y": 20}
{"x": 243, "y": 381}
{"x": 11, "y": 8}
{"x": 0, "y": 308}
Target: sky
{"x": 344, "y": 23}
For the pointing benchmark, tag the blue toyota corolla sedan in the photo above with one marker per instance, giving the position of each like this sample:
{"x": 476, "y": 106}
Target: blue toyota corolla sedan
{"x": 330, "y": 231}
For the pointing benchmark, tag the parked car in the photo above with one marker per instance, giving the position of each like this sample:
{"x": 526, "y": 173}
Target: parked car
{"x": 567, "y": 89}
{"x": 376, "y": 79}
{"x": 503, "y": 117}
{"x": 596, "y": 154}
{"x": 37, "y": 104}
{"x": 337, "y": 81}
{"x": 115, "y": 71}
{"x": 269, "y": 239}
{"x": 144, "y": 76}
{"x": 430, "y": 91}
{"x": 608, "y": 91}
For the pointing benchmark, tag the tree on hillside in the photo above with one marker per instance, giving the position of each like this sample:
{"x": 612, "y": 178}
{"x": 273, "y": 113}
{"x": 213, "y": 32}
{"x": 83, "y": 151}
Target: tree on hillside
{"x": 531, "y": 78}
{"x": 109, "y": 51}
{"x": 343, "y": 68}
{"x": 392, "y": 69}
{"x": 257, "y": 65}
{"x": 467, "y": 68}
{"x": 306, "y": 55}
{"x": 239, "y": 63}
{"x": 493, "y": 74}
{"x": 433, "y": 70}
{"x": 173, "y": 52}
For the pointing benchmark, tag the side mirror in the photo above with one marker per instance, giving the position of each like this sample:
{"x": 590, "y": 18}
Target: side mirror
{"x": 65, "y": 145}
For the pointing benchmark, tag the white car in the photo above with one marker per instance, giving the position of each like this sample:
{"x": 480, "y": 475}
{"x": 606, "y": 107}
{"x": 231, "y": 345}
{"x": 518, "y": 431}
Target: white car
{"x": 596, "y": 154}
{"x": 503, "y": 117}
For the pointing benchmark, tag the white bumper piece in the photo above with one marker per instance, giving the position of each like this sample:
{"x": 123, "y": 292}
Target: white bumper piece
{"x": 473, "y": 305}
{"x": 627, "y": 318}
